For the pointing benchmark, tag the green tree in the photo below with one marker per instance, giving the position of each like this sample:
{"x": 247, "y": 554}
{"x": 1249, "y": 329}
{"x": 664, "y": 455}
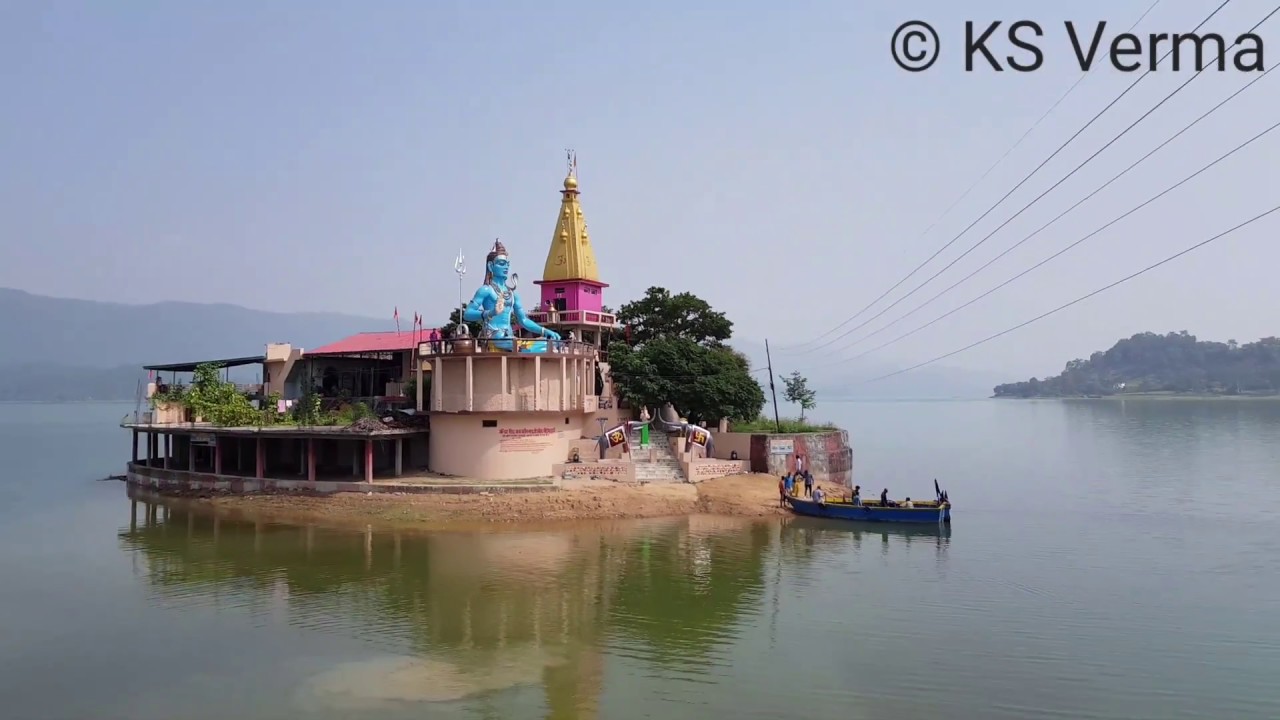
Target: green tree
{"x": 455, "y": 317}
{"x": 705, "y": 384}
{"x": 217, "y": 401}
{"x": 677, "y": 354}
{"x": 798, "y": 392}
{"x": 660, "y": 314}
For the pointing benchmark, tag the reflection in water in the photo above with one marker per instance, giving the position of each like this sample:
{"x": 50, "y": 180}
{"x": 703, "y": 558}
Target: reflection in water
{"x": 465, "y": 614}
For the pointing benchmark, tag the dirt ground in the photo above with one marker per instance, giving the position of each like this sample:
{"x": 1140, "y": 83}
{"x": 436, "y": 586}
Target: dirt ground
{"x": 733, "y": 495}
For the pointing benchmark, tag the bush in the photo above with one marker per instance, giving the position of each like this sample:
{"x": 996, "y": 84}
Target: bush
{"x": 217, "y": 401}
{"x": 765, "y": 424}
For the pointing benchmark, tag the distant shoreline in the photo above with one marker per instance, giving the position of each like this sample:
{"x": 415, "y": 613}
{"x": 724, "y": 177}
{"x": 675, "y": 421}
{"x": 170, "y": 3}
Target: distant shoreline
{"x": 1144, "y": 396}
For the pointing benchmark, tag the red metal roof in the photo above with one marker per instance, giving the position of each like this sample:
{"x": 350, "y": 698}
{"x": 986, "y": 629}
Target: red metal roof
{"x": 374, "y": 342}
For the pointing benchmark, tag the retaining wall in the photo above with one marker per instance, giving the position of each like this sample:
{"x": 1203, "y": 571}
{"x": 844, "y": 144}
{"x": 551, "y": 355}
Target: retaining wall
{"x": 169, "y": 481}
{"x": 828, "y": 454}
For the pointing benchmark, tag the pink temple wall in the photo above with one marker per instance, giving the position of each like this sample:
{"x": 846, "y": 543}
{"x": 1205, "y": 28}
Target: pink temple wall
{"x": 578, "y": 295}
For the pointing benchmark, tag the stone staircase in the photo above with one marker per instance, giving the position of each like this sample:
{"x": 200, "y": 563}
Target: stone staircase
{"x": 664, "y": 468}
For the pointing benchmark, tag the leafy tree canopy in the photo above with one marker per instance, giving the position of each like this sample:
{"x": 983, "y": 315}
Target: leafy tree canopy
{"x": 676, "y": 353}
{"x": 798, "y": 392}
{"x": 705, "y": 384}
{"x": 1175, "y": 362}
{"x": 660, "y": 314}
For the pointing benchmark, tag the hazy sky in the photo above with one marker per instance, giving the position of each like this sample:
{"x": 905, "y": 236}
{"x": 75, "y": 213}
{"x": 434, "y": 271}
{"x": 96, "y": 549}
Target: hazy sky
{"x": 769, "y": 157}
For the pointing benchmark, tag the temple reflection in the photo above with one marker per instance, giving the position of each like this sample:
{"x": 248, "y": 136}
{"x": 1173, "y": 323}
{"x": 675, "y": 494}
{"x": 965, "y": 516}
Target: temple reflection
{"x": 468, "y": 614}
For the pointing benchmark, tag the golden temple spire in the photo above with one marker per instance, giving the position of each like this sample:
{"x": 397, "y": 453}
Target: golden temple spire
{"x": 571, "y": 256}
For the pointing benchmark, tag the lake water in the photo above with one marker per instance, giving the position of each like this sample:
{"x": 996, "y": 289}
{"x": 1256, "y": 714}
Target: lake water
{"x": 1107, "y": 559}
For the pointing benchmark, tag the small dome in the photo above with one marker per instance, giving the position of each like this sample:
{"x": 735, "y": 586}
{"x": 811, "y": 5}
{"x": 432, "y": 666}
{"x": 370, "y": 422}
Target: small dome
{"x": 570, "y": 183}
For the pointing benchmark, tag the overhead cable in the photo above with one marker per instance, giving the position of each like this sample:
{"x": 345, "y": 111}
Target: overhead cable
{"x": 988, "y": 211}
{"x": 1080, "y": 299}
{"x": 1050, "y": 189}
{"x": 1054, "y": 220}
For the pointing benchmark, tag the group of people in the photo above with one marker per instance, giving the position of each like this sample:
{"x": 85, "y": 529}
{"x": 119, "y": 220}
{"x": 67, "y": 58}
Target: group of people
{"x": 787, "y": 486}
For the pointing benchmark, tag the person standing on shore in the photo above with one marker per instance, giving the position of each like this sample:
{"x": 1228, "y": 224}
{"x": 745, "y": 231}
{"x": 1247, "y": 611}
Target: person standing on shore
{"x": 808, "y": 484}
{"x": 790, "y": 483}
{"x": 782, "y": 491}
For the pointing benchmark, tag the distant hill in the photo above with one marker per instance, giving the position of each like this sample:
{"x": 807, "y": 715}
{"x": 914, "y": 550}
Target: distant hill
{"x": 51, "y": 382}
{"x": 57, "y": 348}
{"x": 1173, "y": 363}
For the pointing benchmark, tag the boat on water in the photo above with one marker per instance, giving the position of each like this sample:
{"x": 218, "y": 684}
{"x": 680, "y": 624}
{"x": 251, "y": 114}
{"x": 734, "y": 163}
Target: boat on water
{"x": 924, "y": 511}
{"x": 828, "y": 525}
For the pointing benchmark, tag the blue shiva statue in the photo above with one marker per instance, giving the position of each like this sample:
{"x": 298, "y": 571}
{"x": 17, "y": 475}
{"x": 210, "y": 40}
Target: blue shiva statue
{"x": 493, "y": 304}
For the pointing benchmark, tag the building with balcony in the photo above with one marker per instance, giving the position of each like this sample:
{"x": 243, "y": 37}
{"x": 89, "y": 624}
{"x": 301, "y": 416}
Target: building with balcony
{"x": 509, "y": 410}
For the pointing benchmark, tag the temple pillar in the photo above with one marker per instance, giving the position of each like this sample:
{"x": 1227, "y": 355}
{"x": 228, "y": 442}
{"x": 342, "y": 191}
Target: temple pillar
{"x": 418, "y": 387}
{"x": 537, "y": 382}
{"x": 470, "y": 406}
{"x": 437, "y": 384}
{"x": 368, "y": 456}
{"x": 399, "y": 457}
{"x": 505, "y": 385}
{"x": 564, "y": 383}
{"x": 217, "y": 455}
{"x": 135, "y": 447}
{"x": 311, "y": 461}
{"x": 168, "y": 450}
{"x": 260, "y": 450}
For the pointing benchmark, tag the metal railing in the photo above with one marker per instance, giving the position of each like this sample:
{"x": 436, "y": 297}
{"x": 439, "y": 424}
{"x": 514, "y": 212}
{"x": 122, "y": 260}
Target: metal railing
{"x": 577, "y": 317}
{"x": 497, "y": 347}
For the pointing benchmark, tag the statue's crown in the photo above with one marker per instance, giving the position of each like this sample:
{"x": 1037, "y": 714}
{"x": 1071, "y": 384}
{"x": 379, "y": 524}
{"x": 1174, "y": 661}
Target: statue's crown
{"x": 498, "y": 249}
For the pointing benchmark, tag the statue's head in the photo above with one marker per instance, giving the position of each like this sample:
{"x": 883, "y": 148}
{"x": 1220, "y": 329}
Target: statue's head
{"x": 497, "y": 265}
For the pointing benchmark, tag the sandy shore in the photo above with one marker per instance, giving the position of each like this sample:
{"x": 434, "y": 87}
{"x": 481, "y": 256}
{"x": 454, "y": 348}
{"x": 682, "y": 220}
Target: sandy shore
{"x": 736, "y": 495}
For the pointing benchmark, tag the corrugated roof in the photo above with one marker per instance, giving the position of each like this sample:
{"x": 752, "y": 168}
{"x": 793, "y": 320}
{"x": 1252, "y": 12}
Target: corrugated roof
{"x": 191, "y": 366}
{"x": 374, "y": 342}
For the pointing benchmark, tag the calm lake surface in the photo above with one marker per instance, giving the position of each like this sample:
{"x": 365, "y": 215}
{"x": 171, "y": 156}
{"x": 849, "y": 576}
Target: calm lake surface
{"x": 1107, "y": 559}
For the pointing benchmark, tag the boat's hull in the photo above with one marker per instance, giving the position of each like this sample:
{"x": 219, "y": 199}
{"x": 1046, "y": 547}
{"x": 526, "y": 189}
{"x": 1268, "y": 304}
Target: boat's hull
{"x": 870, "y": 513}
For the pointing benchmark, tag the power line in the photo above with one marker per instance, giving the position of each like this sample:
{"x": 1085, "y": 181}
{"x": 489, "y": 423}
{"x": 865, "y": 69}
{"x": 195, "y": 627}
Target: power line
{"x": 1080, "y": 299}
{"x": 1069, "y": 247}
{"x": 1051, "y": 188}
{"x": 978, "y": 181}
{"x": 1016, "y": 245}
{"x": 1006, "y": 196}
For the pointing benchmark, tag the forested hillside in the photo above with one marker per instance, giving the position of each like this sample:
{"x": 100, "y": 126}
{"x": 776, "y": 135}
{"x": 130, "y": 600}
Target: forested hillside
{"x": 1174, "y": 363}
{"x": 64, "y": 349}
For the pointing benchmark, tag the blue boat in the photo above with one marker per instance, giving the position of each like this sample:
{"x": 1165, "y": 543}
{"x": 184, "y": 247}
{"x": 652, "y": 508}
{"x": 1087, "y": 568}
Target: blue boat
{"x": 923, "y": 512}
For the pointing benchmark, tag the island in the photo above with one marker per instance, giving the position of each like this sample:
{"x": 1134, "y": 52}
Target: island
{"x": 1174, "y": 364}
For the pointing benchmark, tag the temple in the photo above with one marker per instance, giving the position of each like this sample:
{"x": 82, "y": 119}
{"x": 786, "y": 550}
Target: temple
{"x": 518, "y": 394}
{"x": 572, "y": 294}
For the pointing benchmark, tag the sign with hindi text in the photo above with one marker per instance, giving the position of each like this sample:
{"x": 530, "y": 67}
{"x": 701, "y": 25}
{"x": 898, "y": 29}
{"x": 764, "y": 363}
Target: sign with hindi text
{"x": 526, "y": 440}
